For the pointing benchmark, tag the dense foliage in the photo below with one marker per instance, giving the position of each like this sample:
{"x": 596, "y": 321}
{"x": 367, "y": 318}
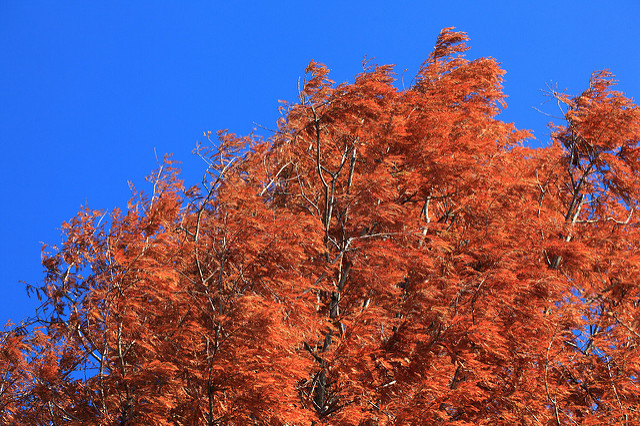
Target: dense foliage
{"x": 386, "y": 257}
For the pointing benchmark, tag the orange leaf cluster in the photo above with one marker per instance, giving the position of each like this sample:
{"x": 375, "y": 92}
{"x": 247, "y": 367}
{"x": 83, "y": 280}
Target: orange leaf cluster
{"x": 387, "y": 257}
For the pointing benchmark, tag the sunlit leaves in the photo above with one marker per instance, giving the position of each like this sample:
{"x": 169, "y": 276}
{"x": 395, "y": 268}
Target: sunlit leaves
{"x": 387, "y": 257}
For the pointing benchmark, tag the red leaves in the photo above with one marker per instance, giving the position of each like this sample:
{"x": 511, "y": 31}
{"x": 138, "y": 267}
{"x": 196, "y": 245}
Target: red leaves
{"x": 388, "y": 257}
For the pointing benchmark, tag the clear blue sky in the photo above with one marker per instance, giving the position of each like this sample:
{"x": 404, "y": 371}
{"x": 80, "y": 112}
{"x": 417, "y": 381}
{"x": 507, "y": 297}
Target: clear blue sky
{"x": 89, "y": 89}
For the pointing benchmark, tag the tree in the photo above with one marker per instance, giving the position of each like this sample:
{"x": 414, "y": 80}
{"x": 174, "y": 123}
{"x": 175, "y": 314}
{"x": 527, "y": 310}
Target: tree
{"x": 386, "y": 257}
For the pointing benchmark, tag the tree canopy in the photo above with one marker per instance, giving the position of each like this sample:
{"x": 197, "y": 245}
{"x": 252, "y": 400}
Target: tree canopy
{"x": 387, "y": 257}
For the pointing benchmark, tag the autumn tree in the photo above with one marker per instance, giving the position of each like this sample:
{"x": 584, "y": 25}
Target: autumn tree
{"x": 387, "y": 257}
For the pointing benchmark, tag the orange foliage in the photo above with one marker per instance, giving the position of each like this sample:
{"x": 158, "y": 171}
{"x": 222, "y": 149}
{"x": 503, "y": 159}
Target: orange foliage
{"x": 388, "y": 257}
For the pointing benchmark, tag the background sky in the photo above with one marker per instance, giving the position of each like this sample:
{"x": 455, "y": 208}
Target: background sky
{"x": 88, "y": 90}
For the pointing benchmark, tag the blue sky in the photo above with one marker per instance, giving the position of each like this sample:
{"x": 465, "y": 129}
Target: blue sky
{"x": 88, "y": 90}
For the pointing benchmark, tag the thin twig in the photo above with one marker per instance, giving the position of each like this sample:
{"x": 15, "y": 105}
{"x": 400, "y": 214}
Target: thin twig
{"x": 546, "y": 383}
{"x": 274, "y": 179}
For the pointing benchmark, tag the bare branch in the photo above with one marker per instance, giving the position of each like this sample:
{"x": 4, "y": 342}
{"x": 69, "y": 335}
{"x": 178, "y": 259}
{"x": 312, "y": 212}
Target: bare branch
{"x": 274, "y": 179}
